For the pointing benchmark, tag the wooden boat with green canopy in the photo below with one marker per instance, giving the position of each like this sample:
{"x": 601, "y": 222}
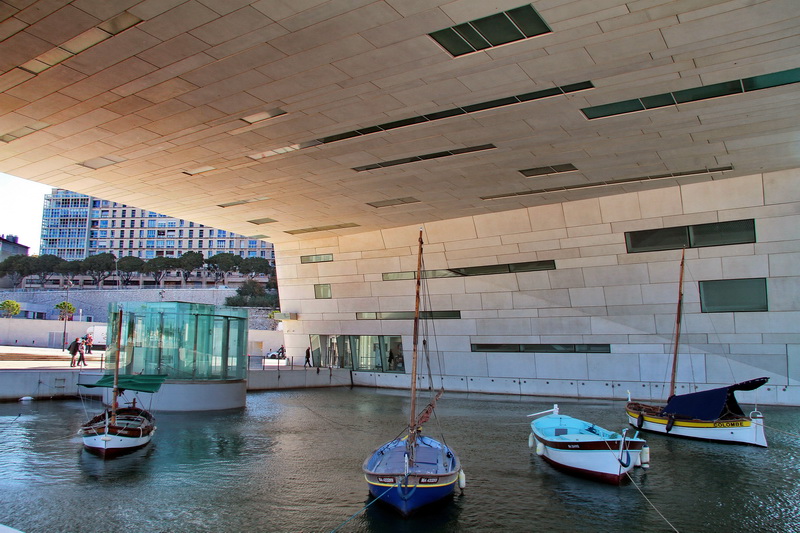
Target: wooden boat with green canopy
{"x": 120, "y": 430}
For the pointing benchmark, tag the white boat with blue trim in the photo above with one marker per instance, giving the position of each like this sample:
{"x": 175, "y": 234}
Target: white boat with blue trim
{"x": 414, "y": 471}
{"x": 585, "y": 449}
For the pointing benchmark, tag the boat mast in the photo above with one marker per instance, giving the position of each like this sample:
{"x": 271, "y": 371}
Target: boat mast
{"x": 677, "y": 328}
{"x": 115, "y": 392}
{"x": 412, "y": 429}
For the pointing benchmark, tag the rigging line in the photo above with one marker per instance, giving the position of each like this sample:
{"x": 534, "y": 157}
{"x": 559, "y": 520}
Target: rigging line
{"x": 333, "y": 422}
{"x": 431, "y": 324}
{"x": 642, "y": 493}
{"x": 439, "y": 428}
{"x": 797, "y": 435}
{"x": 684, "y": 317}
{"x": 337, "y": 528}
{"x": 426, "y": 325}
{"x": 11, "y": 422}
{"x": 651, "y": 503}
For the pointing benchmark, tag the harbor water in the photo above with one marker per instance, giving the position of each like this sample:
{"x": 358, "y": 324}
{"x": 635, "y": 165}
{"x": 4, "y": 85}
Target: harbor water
{"x": 291, "y": 462}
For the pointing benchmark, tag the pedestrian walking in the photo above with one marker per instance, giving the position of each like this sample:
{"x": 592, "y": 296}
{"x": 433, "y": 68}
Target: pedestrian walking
{"x": 73, "y": 350}
{"x": 81, "y": 351}
{"x": 308, "y": 358}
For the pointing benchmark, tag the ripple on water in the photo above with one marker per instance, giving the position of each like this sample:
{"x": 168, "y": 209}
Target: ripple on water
{"x": 291, "y": 462}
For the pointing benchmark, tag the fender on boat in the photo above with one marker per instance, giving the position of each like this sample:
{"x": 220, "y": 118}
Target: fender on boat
{"x": 462, "y": 479}
{"x": 645, "y": 456}
{"x": 531, "y": 440}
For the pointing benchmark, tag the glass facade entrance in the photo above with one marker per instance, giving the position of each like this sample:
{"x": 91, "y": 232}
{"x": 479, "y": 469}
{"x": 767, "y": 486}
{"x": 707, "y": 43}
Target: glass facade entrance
{"x": 378, "y": 353}
{"x": 185, "y": 341}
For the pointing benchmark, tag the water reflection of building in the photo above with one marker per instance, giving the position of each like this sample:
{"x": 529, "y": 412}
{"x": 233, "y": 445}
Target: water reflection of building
{"x": 201, "y": 348}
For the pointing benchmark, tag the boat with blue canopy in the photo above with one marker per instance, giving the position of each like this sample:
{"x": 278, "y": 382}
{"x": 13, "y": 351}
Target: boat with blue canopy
{"x": 713, "y": 414}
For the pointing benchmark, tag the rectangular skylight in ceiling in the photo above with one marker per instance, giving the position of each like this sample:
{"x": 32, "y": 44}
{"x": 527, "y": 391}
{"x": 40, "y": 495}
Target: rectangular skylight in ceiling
{"x": 199, "y": 170}
{"x": 423, "y": 157}
{"x": 264, "y": 115}
{"x": 100, "y": 162}
{"x": 321, "y": 228}
{"x": 84, "y": 41}
{"x": 394, "y": 201}
{"x": 695, "y": 94}
{"x": 546, "y": 171}
{"x": 242, "y": 202}
{"x": 493, "y": 30}
{"x": 467, "y": 109}
{"x": 775, "y": 79}
{"x": 498, "y": 29}
{"x": 610, "y": 182}
{"x": 472, "y": 36}
{"x": 707, "y": 91}
{"x": 23, "y": 131}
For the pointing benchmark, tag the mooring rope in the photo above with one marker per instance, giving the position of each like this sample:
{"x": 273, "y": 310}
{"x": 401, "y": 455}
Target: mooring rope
{"x": 651, "y": 503}
{"x": 11, "y": 422}
{"x": 337, "y": 528}
{"x": 796, "y": 435}
{"x": 640, "y": 490}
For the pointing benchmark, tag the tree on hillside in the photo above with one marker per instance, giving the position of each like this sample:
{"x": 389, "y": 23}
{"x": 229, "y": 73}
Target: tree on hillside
{"x": 70, "y": 270}
{"x": 188, "y": 263}
{"x": 223, "y": 264}
{"x": 45, "y": 266}
{"x": 128, "y": 266}
{"x": 65, "y": 310}
{"x": 157, "y": 267}
{"x": 16, "y": 267}
{"x": 253, "y": 266}
{"x": 10, "y": 308}
{"x": 99, "y": 267}
{"x": 252, "y": 294}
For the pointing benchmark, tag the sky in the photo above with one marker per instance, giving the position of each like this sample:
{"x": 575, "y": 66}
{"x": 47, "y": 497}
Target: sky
{"x": 21, "y": 203}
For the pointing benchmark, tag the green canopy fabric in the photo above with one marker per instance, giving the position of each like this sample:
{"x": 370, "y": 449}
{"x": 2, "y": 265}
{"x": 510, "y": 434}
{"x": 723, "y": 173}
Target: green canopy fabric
{"x": 137, "y": 382}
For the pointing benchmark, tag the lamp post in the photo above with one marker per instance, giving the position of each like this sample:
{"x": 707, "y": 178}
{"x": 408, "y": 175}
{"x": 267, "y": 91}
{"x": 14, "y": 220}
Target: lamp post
{"x": 64, "y": 312}
{"x": 116, "y": 268}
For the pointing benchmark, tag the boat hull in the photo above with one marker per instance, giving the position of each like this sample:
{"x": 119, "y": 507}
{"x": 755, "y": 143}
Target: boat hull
{"x": 585, "y": 450}
{"x": 109, "y": 445}
{"x": 134, "y": 429}
{"x": 410, "y": 495}
{"x": 740, "y": 430}
{"x": 431, "y": 479}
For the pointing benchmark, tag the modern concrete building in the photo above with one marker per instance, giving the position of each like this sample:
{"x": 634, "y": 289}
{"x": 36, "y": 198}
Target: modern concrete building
{"x": 558, "y": 154}
{"x": 75, "y": 226}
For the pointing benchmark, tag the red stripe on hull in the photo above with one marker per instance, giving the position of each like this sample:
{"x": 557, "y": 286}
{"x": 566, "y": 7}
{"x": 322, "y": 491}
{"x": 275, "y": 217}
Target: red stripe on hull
{"x": 590, "y": 474}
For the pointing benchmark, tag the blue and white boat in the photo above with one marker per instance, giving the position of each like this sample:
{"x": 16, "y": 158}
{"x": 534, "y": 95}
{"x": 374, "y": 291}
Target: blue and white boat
{"x": 409, "y": 476}
{"x": 586, "y": 450}
{"x": 413, "y": 470}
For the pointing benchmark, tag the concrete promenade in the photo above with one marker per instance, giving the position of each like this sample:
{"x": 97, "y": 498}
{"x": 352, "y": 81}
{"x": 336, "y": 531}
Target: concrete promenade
{"x": 32, "y": 358}
{"x": 44, "y": 373}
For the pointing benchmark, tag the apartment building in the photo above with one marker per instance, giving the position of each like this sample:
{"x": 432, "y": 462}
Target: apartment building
{"x": 75, "y": 226}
